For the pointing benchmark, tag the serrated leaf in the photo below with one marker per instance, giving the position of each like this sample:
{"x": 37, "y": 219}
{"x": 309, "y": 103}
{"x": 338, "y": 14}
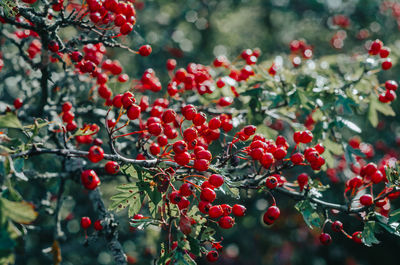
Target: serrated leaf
{"x": 10, "y": 120}
{"x": 20, "y": 212}
{"x": 368, "y": 234}
{"x": 231, "y": 191}
{"x": 309, "y": 212}
{"x": 129, "y": 196}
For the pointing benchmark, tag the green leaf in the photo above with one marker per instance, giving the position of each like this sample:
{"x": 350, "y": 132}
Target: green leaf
{"x": 335, "y": 148}
{"x": 394, "y": 216}
{"x": 194, "y": 245}
{"x": 233, "y": 192}
{"x": 310, "y": 213}
{"x": 129, "y": 196}
{"x": 20, "y": 212}
{"x": 368, "y": 234}
{"x": 374, "y": 107}
{"x": 10, "y": 120}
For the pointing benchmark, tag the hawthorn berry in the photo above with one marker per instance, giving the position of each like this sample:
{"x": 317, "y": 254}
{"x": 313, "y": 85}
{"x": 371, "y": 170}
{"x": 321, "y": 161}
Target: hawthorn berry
{"x": 212, "y": 256}
{"x": 68, "y": 117}
{"x": 204, "y": 206}
{"x": 182, "y": 158}
{"x": 391, "y": 85}
{"x": 207, "y": 194}
{"x": 325, "y": 239}
{"x": 89, "y": 179}
{"x": 297, "y": 158}
{"x": 96, "y": 154}
{"x": 97, "y": 225}
{"x": 337, "y": 226}
{"x": 186, "y": 189}
{"x": 18, "y": 103}
{"x": 112, "y": 167}
{"x": 53, "y": 46}
{"x": 302, "y": 180}
{"x": 85, "y": 222}
{"x": 171, "y": 64}
{"x": 226, "y": 222}
{"x": 216, "y": 180}
{"x": 386, "y": 65}
{"x": 273, "y": 213}
{"x": 215, "y": 211}
{"x": 366, "y": 200}
{"x": 126, "y": 28}
{"x": 175, "y": 197}
{"x": 271, "y": 182}
{"x": 357, "y": 237}
{"x": 238, "y": 210}
{"x": 145, "y": 50}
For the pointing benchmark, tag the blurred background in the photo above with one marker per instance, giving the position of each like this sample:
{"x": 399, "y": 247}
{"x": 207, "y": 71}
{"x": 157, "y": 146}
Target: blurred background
{"x": 198, "y": 31}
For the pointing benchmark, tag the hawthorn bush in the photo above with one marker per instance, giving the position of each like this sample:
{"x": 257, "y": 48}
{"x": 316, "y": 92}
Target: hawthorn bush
{"x": 100, "y": 165}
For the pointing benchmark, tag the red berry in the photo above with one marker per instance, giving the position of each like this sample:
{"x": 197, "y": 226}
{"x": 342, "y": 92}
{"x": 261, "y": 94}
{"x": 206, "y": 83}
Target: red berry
{"x": 337, "y": 226}
{"x": 190, "y": 134}
{"x": 207, "y": 194}
{"x": 66, "y": 106}
{"x": 280, "y": 153}
{"x": 273, "y": 213}
{"x": 71, "y": 126}
{"x": 357, "y": 237}
{"x": 384, "y": 52}
{"x": 186, "y": 189}
{"x": 386, "y": 65}
{"x": 182, "y": 158}
{"x": 204, "y": 206}
{"x": 375, "y": 47}
{"x": 238, "y": 210}
{"x": 306, "y": 137}
{"x": 133, "y": 112}
{"x": 249, "y": 130}
{"x": 366, "y": 200}
{"x": 267, "y": 220}
{"x": 126, "y": 28}
{"x": 302, "y": 180}
{"x": 145, "y": 50}
{"x": 168, "y": 116}
{"x": 68, "y": 117}
{"x": 215, "y": 211}
{"x": 320, "y": 148}
{"x": 271, "y": 182}
{"x": 112, "y": 167}
{"x": 216, "y": 180}
{"x": 297, "y": 158}
{"x": 97, "y": 225}
{"x": 85, "y": 222}
{"x": 89, "y": 179}
{"x": 214, "y": 123}
{"x": 18, "y": 103}
{"x": 53, "y": 46}
{"x": 179, "y": 147}
{"x": 226, "y": 222}
{"x": 155, "y": 129}
{"x": 171, "y": 64}
{"x": 325, "y": 239}
{"x": 391, "y": 85}
{"x": 96, "y": 154}
{"x": 212, "y": 256}
{"x": 175, "y": 197}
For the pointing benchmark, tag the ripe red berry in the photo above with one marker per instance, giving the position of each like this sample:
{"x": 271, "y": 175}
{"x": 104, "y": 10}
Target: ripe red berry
{"x": 97, "y": 225}
{"x": 306, "y": 137}
{"x": 76, "y": 56}
{"x": 207, "y": 194}
{"x": 216, "y": 180}
{"x": 280, "y": 153}
{"x": 302, "y": 180}
{"x": 145, "y": 50}
{"x": 375, "y": 47}
{"x": 186, "y": 189}
{"x": 190, "y": 134}
{"x": 66, "y": 106}
{"x": 249, "y": 130}
{"x": 212, "y": 256}
{"x": 366, "y": 200}
{"x": 267, "y": 220}
{"x": 226, "y": 222}
{"x": 18, "y": 103}
{"x": 182, "y": 158}
{"x": 386, "y": 65}
{"x": 215, "y": 211}
{"x": 357, "y": 237}
{"x": 204, "y": 206}
{"x": 238, "y": 210}
{"x": 271, "y": 182}
{"x": 384, "y": 52}
{"x": 175, "y": 197}
{"x": 297, "y": 137}
{"x": 337, "y": 226}
{"x": 297, "y": 158}
{"x": 68, "y": 117}
{"x": 179, "y": 147}
{"x": 85, "y": 222}
{"x": 325, "y": 239}
{"x": 89, "y": 179}
{"x": 112, "y": 167}
{"x": 155, "y": 129}
{"x": 126, "y": 28}
{"x": 171, "y": 64}
{"x": 53, "y": 46}
{"x": 96, "y": 154}
{"x": 391, "y": 85}
{"x": 273, "y": 213}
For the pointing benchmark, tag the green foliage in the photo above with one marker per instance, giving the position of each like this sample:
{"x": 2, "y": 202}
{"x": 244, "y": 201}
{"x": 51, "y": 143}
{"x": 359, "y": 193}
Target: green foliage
{"x": 310, "y": 213}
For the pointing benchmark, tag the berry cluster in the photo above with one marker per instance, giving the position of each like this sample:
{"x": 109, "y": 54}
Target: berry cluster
{"x": 300, "y": 50}
{"x": 390, "y": 94}
{"x": 376, "y": 48}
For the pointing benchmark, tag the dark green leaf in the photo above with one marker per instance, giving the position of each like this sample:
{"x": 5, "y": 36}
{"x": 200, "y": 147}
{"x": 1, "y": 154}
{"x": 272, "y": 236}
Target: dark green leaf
{"x": 310, "y": 213}
{"x": 368, "y": 234}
